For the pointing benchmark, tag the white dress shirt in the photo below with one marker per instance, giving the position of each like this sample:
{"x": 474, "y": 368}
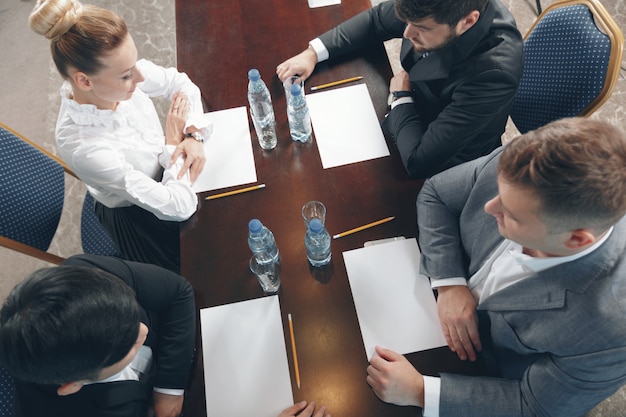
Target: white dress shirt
{"x": 504, "y": 267}
{"x": 119, "y": 153}
{"x": 141, "y": 363}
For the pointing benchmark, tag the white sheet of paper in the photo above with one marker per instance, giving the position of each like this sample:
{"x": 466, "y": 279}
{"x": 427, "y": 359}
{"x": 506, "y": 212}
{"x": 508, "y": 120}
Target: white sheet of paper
{"x": 395, "y": 305}
{"x": 246, "y": 371}
{"x": 229, "y": 158}
{"x": 346, "y": 126}
{"x": 320, "y": 3}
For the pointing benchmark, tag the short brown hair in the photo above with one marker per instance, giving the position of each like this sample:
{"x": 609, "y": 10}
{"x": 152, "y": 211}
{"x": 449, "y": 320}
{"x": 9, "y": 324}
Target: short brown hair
{"x": 577, "y": 168}
{"x": 79, "y": 35}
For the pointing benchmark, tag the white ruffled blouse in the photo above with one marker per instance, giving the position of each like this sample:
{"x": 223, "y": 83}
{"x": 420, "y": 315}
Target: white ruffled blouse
{"x": 119, "y": 153}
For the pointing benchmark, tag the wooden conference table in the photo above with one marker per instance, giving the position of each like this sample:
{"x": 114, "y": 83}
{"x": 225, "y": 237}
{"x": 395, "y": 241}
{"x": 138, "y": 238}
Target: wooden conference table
{"x": 217, "y": 42}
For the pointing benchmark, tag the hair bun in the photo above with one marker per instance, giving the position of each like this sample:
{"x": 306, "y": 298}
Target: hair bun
{"x": 52, "y": 18}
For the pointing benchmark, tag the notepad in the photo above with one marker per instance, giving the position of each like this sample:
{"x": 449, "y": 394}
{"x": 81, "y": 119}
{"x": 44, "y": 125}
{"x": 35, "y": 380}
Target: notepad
{"x": 245, "y": 359}
{"x": 395, "y": 305}
{"x": 228, "y": 151}
{"x": 346, "y": 126}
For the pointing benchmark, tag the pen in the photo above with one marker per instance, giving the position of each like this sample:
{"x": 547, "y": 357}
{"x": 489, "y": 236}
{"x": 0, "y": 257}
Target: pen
{"x": 242, "y": 190}
{"x": 334, "y": 83}
{"x": 367, "y": 226}
{"x": 293, "y": 350}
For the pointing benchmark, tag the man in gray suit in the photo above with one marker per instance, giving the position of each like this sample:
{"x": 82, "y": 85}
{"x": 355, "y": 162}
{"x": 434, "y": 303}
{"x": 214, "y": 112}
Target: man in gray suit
{"x": 462, "y": 62}
{"x": 525, "y": 248}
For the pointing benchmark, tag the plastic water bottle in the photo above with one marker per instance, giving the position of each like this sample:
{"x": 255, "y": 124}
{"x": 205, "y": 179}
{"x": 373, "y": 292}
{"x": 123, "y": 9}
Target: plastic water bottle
{"x": 298, "y": 115}
{"x": 261, "y": 242}
{"x": 261, "y": 110}
{"x": 317, "y": 243}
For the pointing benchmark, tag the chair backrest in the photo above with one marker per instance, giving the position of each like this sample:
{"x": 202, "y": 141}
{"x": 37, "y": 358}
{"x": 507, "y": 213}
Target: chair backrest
{"x": 572, "y": 58}
{"x": 94, "y": 238}
{"x": 32, "y": 193}
{"x": 7, "y": 393}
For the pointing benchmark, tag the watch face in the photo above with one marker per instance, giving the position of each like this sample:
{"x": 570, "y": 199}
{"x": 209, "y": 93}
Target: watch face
{"x": 390, "y": 99}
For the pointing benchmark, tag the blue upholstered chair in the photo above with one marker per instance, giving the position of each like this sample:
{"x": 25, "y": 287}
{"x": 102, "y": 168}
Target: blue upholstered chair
{"x": 6, "y": 393}
{"x": 572, "y": 57}
{"x": 32, "y": 190}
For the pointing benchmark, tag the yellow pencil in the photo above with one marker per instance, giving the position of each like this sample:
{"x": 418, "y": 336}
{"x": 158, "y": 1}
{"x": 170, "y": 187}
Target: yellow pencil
{"x": 242, "y": 190}
{"x": 367, "y": 226}
{"x": 334, "y": 83}
{"x": 293, "y": 350}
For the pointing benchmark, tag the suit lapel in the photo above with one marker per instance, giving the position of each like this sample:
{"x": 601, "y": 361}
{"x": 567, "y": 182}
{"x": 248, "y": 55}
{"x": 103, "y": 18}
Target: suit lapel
{"x": 547, "y": 289}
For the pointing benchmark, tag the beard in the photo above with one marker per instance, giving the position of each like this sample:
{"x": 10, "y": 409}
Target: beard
{"x": 420, "y": 49}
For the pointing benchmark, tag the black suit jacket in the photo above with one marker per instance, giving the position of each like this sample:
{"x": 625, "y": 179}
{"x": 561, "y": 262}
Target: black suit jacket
{"x": 463, "y": 92}
{"x": 169, "y": 312}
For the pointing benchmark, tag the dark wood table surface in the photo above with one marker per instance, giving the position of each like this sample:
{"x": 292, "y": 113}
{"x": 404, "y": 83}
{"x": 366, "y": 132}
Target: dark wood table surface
{"x": 217, "y": 43}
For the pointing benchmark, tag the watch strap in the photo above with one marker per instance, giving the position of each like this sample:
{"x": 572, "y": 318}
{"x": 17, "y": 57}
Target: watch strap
{"x": 400, "y": 94}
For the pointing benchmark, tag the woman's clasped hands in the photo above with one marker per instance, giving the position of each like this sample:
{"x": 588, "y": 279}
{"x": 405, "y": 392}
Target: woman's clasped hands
{"x": 191, "y": 149}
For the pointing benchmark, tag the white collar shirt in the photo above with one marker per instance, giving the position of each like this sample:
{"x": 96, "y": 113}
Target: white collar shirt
{"x": 120, "y": 153}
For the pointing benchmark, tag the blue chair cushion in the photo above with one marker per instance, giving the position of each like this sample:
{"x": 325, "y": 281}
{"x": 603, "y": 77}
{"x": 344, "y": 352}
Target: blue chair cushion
{"x": 32, "y": 190}
{"x": 7, "y": 393}
{"x": 94, "y": 237}
{"x": 566, "y": 60}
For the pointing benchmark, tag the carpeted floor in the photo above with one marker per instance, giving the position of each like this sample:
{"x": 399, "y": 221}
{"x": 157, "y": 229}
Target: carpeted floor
{"x": 29, "y": 90}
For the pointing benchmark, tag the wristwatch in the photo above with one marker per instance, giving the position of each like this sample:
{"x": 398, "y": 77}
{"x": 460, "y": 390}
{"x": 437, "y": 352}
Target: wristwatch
{"x": 394, "y": 95}
{"x": 196, "y": 135}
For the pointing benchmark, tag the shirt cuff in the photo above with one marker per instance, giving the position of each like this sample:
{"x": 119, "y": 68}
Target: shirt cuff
{"x": 169, "y": 391}
{"x": 200, "y": 122}
{"x": 447, "y": 282}
{"x": 432, "y": 392}
{"x": 320, "y": 49}
{"x": 402, "y": 100}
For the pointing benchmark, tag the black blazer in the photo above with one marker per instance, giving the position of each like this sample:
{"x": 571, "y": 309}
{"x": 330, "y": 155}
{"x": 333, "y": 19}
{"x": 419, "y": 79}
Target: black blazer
{"x": 463, "y": 92}
{"x": 169, "y": 312}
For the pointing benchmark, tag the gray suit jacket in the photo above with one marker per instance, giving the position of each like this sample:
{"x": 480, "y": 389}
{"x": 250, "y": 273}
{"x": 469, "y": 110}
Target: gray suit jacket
{"x": 555, "y": 342}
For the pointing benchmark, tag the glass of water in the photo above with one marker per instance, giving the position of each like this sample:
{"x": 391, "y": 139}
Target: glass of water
{"x": 267, "y": 274}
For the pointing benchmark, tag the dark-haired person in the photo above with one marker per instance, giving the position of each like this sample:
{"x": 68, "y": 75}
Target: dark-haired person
{"x": 103, "y": 337}
{"x": 108, "y": 131}
{"x": 527, "y": 250}
{"x": 94, "y": 336}
{"x": 462, "y": 62}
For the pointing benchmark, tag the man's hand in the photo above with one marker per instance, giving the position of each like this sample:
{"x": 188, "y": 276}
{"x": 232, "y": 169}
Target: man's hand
{"x": 457, "y": 313}
{"x": 302, "y": 64}
{"x": 400, "y": 82}
{"x": 167, "y": 405}
{"x": 394, "y": 380}
{"x": 304, "y": 410}
{"x": 193, "y": 152}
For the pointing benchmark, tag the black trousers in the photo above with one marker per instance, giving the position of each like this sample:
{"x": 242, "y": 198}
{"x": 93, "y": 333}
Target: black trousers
{"x": 141, "y": 237}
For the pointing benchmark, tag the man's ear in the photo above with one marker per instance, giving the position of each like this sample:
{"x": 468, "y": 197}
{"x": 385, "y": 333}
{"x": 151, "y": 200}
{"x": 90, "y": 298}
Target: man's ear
{"x": 580, "y": 238}
{"x": 69, "y": 388}
{"x": 467, "y": 22}
{"x": 81, "y": 80}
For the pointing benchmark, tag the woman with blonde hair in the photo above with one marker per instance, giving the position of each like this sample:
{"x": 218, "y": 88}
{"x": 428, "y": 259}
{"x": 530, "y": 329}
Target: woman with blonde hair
{"x": 109, "y": 133}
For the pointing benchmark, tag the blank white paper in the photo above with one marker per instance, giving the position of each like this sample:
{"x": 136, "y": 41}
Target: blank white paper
{"x": 229, "y": 158}
{"x": 246, "y": 371}
{"x": 321, "y": 3}
{"x": 346, "y": 126}
{"x": 395, "y": 305}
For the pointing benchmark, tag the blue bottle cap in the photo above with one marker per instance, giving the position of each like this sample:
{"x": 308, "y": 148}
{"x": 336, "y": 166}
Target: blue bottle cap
{"x": 255, "y": 225}
{"x": 315, "y": 225}
{"x": 296, "y": 90}
{"x": 253, "y": 74}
